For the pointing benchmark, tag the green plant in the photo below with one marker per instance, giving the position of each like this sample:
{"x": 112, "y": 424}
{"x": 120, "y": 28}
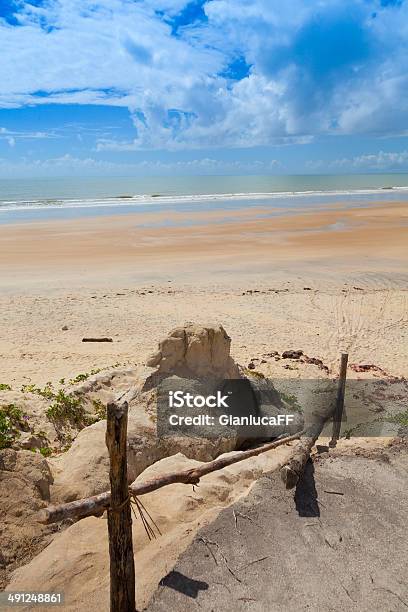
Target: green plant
{"x": 83, "y": 376}
{"x": 46, "y": 451}
{"x": 12, "y": 420}
{"x": 292, "y": 401}
{"x": 5, "y": 387}
{"x": 401, "y": 418}
{"x": 47, "y": 391}
{"x": 67, "y": 407}
{"x": 99, "y": 408}
{"x": 68, "y": 439}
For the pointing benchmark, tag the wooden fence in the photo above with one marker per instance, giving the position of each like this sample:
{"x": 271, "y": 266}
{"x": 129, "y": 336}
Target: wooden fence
{"x": 118, "y": 500}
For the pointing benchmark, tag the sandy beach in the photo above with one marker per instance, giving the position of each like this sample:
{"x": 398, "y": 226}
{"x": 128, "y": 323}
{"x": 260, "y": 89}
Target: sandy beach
{"x": 193, "y": 246}
{"x": 320, "y": 281}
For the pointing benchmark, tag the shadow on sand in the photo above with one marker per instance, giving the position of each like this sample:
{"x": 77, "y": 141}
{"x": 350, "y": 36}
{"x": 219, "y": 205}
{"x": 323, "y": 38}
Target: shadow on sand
{"x": 183, "y": 584}
{"x": 306, "y": 494}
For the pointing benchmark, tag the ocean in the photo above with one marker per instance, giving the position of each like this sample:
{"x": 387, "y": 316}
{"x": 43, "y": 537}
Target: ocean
{"x": 23, "y": 200}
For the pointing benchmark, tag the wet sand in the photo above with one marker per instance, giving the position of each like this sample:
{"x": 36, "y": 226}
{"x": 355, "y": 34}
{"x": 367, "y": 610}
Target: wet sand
{"x": 191, "y": 246}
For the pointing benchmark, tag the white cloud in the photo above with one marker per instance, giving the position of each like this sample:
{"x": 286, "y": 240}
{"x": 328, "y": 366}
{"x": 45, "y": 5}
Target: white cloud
{"x": 123, "y": 53}
{"x": 90, "y": 166}
{"x": 13, "y": 135}
{"x": 375, "y": 161}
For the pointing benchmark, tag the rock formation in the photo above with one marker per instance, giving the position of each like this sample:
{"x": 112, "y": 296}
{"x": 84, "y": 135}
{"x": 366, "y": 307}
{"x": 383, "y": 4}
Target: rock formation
{"x": 191, "y": 357}
{"x": 25, "y": 480}
{"x": 196, "y": 351}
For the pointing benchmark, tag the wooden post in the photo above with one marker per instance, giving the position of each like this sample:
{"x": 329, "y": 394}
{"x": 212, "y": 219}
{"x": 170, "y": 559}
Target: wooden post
{"x": 122, "y": 568}
{"x": 338, "y": 412}
{"x": 293, "y": 468}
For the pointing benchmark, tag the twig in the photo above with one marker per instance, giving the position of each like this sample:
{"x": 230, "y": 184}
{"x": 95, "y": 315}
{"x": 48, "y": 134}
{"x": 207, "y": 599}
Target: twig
{"x": 252, "y": 563}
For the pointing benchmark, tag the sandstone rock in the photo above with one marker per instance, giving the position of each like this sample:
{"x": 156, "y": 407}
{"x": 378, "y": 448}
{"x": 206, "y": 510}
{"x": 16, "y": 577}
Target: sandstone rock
{"x": 27, "y": 440}
{"x": 84, "y": 469}
{"x": 196, "y": 351}
{"x": 25, "y": 480}
{"x": 188, "y": 355}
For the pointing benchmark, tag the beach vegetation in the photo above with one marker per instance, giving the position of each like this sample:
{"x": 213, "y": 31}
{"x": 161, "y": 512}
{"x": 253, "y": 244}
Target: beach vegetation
{"x": 83, "y": 376}
{"x": 46, "y": 451}
{"x": 5, "y": 387}
{"x": 292, "y": 400}
{"x": 401, "y": 418}
{"x": 47, "y": 391}
{"x": 99, "y": 409}
{"x": 12, "y": 421}
{"x": 67, "y": 408}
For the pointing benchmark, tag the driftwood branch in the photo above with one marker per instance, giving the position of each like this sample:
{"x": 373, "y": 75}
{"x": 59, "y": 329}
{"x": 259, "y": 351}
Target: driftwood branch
{"x": 98, "y": 503}
{"x": 293, "y": 468}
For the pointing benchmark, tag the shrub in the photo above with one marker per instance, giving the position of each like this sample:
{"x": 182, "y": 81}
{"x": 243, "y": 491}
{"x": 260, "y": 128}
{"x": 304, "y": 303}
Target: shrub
{"x": 401, "y": 418}
{"x": 12, "y": 420}
{"x": 99, "y": 408}
{"x": 47, "y": 391}
{"x": 67, "y": 408}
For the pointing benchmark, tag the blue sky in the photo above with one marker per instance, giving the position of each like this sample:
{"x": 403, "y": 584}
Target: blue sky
{"x": 203, "y": 87}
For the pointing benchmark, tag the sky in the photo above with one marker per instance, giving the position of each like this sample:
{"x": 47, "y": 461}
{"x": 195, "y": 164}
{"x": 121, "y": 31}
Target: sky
{"x": 167, "y": 87}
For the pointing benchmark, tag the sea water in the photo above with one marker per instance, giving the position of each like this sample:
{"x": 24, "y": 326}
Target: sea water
{"x": 23, "y": 200}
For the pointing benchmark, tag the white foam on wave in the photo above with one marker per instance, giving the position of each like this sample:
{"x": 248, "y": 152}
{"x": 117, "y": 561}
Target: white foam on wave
{"x": 122, "y": 201}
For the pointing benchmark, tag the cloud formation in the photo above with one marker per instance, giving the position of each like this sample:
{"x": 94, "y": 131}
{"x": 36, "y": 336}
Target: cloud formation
{"x": 76, "y": 166}
{"x": 380, "y": 161}
{"x": 215, "y": 73}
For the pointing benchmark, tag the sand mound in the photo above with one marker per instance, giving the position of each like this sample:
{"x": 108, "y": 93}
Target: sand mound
{"x": 196, "y": 351}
